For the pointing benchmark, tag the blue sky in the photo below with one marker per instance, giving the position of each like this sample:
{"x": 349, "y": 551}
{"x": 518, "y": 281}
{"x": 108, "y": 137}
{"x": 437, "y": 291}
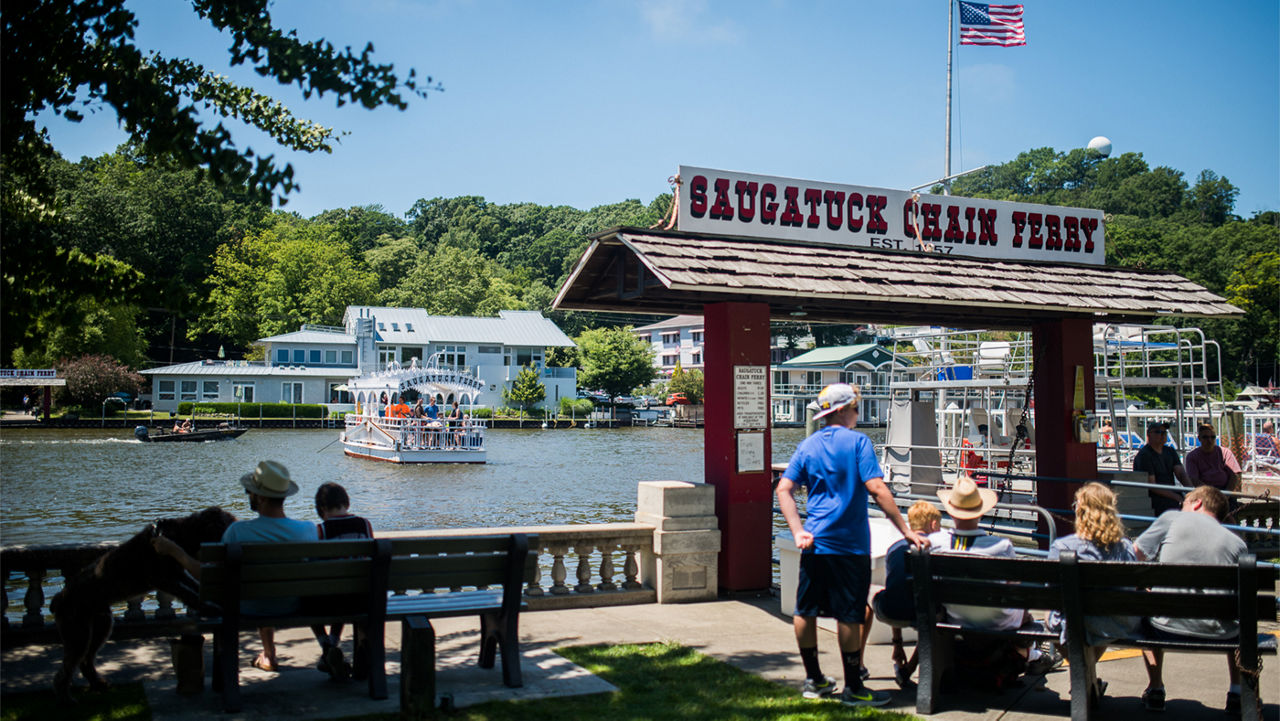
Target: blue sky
{"x": 596, "y": 101}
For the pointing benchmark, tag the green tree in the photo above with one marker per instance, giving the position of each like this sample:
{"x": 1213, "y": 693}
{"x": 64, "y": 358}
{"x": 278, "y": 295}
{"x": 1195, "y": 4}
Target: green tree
{"x": 360, "y": 226}
{"x": 92, "y": 378}
{"x": 100, "y": 329}
{"x": 1255, "y": 289}
{"x": 526, "y": 389}
{"x": 1212, "y": 198}
{"x": 614, "y": 360}
{"x": 690, "y": 383}
{"x": 274, "y": 281}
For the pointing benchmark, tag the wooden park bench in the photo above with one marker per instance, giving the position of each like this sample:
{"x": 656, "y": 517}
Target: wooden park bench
{"x": 367, "y": 582}
{"x": 1245, "y": 593}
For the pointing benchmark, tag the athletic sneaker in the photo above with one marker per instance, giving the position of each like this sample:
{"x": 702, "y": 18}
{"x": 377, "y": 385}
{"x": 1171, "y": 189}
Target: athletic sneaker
{"x": 818, "y": 689}
{"x": 1044, "y": 663}
{"x": 865, "y": 697}
{"x": 903, "y": 678}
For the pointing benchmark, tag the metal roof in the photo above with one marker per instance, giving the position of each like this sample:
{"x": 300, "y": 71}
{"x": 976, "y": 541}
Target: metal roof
{"x": 309, "y": 336}
{"x": 680, "y": 321}
{"x": 839, "y": 356}
{"x": 650, "y": 271}
{"x": 250, "y": 369}
{"x": 511, "y": 327}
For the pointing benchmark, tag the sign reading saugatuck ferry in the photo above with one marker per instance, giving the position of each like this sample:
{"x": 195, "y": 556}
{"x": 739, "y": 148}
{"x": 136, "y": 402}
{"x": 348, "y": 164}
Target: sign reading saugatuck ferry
{"x": 759, "y": 206}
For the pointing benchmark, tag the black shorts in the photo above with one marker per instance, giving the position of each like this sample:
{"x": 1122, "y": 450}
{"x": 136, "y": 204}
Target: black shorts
{"x": 834, "y": 586}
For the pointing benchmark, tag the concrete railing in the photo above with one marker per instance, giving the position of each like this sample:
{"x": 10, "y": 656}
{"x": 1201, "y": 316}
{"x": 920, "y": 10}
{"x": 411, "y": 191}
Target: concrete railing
{"x": 667, "y": 555}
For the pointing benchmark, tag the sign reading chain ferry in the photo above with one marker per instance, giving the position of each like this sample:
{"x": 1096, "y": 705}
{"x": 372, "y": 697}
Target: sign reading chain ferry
{"x": 758, "y": 206}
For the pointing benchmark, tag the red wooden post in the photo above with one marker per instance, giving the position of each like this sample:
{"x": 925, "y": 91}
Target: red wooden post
{"x": 737, "y": 335}
{"x": 1060, "y": 347}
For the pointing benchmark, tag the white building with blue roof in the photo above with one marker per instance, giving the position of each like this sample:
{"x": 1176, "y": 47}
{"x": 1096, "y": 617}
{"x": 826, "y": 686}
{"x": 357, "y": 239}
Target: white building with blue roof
{"x": 313, "y": 365}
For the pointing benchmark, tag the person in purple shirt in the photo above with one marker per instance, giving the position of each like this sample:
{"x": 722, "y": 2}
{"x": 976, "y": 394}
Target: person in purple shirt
{"x": 837, "y": 465}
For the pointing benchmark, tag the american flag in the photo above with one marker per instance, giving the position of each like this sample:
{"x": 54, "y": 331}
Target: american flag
{"x": 991, "y": 24}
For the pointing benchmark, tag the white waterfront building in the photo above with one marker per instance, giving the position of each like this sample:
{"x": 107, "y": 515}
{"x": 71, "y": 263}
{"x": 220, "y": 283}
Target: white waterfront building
{"x": 313, "y": 365}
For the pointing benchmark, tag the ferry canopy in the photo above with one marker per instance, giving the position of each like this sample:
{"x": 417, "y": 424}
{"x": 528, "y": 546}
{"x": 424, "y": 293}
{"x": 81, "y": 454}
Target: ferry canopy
{"x": 672, "y": 272}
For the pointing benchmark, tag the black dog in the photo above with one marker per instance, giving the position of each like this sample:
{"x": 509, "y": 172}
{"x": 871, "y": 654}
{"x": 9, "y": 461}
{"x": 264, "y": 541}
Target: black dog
{"x": 82, "y": 609}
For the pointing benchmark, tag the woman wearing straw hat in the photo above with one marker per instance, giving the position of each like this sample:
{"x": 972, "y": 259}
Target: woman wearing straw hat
{"x": 838, "y": 466}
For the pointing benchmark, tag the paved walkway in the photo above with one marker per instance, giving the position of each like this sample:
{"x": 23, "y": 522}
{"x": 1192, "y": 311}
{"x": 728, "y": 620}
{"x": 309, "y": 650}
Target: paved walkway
{"x": 749, "y": 634}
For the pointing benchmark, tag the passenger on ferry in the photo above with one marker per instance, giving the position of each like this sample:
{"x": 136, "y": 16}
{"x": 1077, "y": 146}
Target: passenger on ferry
{"x": 1211, "y": 464}
{"x": 1107, "y": 434}
{"x": 966, "y": 503}
{"x": 1099, "y": 536}
{"x": 1267, "y": 447}
{"x": 1193, "y": 534}
{"x": 895, "y": 605}
{"x": 1163, "y": 466}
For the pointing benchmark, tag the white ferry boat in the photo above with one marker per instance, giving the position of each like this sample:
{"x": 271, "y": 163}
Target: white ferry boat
{"x": 383, "y": 427}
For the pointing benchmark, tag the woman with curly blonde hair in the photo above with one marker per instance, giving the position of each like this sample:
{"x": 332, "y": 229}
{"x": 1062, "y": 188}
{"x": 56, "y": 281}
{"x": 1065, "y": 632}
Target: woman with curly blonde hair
{"x": 1099, "y": 536}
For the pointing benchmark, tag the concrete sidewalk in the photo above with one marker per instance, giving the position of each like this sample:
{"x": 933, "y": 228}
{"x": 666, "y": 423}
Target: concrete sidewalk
{"x": 749, "y": 634}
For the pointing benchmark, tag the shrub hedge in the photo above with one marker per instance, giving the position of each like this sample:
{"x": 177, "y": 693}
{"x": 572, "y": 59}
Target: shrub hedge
{"x": 258, "y": 410}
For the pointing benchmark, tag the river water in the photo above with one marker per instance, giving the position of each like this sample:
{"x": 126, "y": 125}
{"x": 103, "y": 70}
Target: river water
{"x": 60, "y": 486}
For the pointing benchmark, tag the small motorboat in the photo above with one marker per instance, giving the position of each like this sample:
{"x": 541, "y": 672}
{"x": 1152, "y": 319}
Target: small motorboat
{"x": 221, "y": 433}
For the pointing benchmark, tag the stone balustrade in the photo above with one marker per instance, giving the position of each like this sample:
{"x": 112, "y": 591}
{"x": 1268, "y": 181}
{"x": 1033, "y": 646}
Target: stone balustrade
{"x": 667, "y": 555}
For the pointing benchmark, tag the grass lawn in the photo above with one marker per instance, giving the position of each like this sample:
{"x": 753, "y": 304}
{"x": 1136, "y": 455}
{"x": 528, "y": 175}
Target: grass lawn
{"x": 664, "y": 681}
{"x": 655, "y": 681}
{"x": 126, "y": 702}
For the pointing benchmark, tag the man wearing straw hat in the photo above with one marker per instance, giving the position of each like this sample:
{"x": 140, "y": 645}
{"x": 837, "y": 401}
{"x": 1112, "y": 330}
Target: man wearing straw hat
{"x": 966, "y": 503}
{"x": 267, "y": 485}
{"x": 838, "y": 466}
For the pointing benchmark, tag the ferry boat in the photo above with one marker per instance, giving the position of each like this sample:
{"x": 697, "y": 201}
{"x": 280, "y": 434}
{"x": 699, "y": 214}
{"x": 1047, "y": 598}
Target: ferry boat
{"x": 383, "y": 429}
{"x": 962, "y": 403}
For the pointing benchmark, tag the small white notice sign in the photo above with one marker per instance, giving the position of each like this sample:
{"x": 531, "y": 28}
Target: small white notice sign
{"x": 750, "y": 397}
{"x": 750, "y": 451}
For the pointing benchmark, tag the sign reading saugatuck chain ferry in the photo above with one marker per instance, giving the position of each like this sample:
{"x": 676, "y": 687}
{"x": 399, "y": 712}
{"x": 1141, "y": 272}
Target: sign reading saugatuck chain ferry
{"x": 759, "y": 206}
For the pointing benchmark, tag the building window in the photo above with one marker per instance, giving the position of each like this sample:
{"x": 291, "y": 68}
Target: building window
{"x": 670, "y": 360}
{"x": 291, "y": 392}
{"x": 337, "y": 396}
{"x": 646, "y": 337}
{"x": 243, "y": 392}
{"x": 489, "y": 349}
{"x": 395, "y": 327}
{"x": 528, "y": 356}
{"x": 408, "y": 327}
{"x": 209, "y": 391}
{"x": 314, "y": 357}
{"x": 780, "y": 378}
{"x": 846, "y": 376}
{"x": 408, "y": 353}
{"x": 453, "y": 356}
{"x": 331, "y": 357}
{"x": 282, "y": 355}
{"x": 696, "y": 359}
{"x": 813, "y": 378}
{"x": 299, "y": 356}
{"x": 696, "y": 336}
{"x": 188, "y": 391}
{"x": 381, "y": 327}
{"x": 348, "y": 358}
{"x": 385, "y": 356}
{"x": 165, "y": 391}
{"x": 671, "y": 338}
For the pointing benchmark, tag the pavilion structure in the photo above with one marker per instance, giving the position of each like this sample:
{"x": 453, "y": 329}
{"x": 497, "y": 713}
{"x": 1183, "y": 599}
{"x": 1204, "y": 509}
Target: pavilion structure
{"x": 739, "y": 284}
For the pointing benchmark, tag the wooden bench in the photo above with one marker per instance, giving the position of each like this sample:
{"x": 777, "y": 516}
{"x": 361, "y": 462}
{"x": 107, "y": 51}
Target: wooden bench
{"x": 353, "y": 582}
{"x": 1244, "y": 593}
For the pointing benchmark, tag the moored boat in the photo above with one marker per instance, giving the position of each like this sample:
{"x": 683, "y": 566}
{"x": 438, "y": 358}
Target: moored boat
{"x": 196, "y": 436}
{"x": 383, "y": 429}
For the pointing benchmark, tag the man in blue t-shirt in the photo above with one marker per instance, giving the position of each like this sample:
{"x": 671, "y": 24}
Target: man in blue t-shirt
{"x": 837, "y": 465}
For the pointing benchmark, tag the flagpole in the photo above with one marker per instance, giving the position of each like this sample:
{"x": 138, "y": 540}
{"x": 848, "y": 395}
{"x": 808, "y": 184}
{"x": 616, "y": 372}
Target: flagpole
{"x": 946, "y": 171}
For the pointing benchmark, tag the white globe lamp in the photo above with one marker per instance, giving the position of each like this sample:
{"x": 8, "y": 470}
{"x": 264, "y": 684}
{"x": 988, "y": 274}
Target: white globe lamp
{"x": 1101, "y": 144}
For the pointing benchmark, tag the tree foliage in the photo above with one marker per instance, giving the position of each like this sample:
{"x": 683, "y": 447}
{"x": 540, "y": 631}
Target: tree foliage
{"x": 91, "y": 378}
{"x": 691, "y": 383}
{"x": 526, "y": 390}
{"x": 614, "y": 360}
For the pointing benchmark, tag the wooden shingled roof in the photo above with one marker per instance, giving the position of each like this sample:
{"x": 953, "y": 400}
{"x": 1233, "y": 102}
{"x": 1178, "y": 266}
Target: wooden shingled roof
{"x": 669, "y": 272}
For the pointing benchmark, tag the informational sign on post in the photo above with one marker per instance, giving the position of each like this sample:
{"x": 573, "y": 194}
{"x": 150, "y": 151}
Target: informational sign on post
{"x": 750, "y": 451}
{"x": 750, "y": 397}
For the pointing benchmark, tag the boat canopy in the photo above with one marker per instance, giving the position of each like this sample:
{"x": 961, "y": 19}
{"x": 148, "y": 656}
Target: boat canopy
{"x": 429, "y": 379}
